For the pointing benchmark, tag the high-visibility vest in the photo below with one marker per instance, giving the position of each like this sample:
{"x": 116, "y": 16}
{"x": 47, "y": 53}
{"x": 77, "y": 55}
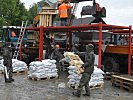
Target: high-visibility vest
{"x": 63, "y": 10}
{"x": 13, "y": 34}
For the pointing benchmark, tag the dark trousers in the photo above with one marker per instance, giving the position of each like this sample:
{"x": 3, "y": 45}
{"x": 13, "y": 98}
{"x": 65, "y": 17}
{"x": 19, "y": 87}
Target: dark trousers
{"x": 64, "y": 22}
{"x": 9, "y": 71}
{"x": 84, "y": 81}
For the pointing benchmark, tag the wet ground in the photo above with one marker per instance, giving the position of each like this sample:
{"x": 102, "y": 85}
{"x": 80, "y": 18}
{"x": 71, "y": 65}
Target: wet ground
{"x": 24, "y": 89}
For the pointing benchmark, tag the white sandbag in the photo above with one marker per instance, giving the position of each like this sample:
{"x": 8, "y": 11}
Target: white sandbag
{"x": 1, "y": 67}
{"x": 46, "y": 68}
{"x": 96, "y": 77}
{"x": 16, "y": 64}
{"x": 72, "y": 67}
{"x": 97, "y": 71}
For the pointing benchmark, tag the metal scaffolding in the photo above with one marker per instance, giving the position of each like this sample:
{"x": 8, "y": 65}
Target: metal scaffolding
{"x": 100, "y": 27}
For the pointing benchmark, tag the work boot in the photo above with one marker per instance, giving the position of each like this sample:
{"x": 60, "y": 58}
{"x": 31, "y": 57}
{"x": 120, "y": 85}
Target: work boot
{"x": 87, "y": 89}
{"x": 12, "y": 80}
{"x": 7, "y": 81}
{"x": 86, "y": 94}
{"x": 76, "y": 94}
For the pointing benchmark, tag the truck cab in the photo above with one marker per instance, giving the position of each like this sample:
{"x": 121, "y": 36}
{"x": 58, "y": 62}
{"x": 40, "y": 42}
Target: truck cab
{"x": 11, "y": 34}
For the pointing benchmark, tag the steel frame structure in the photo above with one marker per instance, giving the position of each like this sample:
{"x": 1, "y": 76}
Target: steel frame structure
{"x": 69, "y": 29}
{"x": 129, "y": 32}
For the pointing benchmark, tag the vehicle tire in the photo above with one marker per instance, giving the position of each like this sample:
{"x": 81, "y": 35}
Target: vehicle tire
{"x": 110, "y": 64}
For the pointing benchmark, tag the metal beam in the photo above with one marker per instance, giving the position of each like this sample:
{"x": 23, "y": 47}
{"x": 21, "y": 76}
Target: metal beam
{"x": 100, "y": 45}
{"x": 130, "y": 50}
{"x": 41, "y": 43}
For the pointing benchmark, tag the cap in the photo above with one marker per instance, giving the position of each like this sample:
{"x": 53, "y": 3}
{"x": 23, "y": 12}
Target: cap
{"x": 90, "y": 45}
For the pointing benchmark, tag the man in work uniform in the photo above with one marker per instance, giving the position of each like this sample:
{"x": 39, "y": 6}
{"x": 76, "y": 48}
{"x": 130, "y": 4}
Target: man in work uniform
{"x": 7, "y": 56}
{"x": 88, "y": 70}
{"x": 56, "y": 54}
{"x": 48, "y": 46}
{"x": 13, "y": 34}
{"x": 63, "y": 12}
{"x": 75, "y": 48}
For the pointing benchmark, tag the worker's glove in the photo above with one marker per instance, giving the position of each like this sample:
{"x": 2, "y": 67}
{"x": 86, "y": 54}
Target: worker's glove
{"x": 82, "y": 67}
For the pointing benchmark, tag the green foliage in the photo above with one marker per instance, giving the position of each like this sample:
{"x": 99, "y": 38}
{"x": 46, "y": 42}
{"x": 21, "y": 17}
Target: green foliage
{"x": 12, "y": 12}
{"x": 32, "y": 13}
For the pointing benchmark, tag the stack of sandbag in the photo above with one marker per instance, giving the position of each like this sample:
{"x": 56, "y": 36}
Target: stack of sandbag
{"x": 74, "y": 77}
{"x": 16, "y": 64}
{"x": 1, "y": 65}
{"x": 97, "y": 77}
{"x": 19, "y": 65}
{"x": 43, "y": 69}
{"x": 75, "y": 71}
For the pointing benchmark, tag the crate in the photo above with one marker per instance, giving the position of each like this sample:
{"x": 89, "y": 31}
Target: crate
{"x": 123, "y": 81}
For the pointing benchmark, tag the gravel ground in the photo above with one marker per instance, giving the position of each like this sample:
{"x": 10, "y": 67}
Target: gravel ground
{"x": 24, "y": 89}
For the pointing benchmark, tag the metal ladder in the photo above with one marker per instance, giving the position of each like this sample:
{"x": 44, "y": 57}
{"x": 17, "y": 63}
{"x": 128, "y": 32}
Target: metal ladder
{"x": 17, "y": 48}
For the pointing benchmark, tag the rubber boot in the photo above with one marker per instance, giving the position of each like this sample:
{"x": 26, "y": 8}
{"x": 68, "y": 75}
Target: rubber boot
{"x": 7, "y": 81}
{"x": 10, "y": 75}
{"x": 12, "y": 79}
{"x": 87, "y": 89}
{"x": 77, "y": 94}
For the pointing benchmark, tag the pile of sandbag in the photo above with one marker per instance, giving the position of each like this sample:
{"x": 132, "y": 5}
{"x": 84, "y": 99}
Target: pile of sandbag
{"x": 74, "y": 77}
{"x": 43, "y": 69}
{"x": 19, "y": 65}
{"x": 1, "y": 65}
{"x": 75, "y": 69}
{"x": 16, "y": 64}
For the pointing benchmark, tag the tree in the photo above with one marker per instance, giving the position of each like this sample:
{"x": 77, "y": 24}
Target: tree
{"x": 32, "y": 13}
{"x": 12, "y": 12}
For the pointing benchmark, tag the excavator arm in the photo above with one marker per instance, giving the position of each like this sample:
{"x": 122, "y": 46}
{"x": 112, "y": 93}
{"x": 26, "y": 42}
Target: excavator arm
{"x": 36, "y": 20}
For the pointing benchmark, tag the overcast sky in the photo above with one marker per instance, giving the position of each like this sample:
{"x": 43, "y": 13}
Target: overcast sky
{"x": 119, "y": 12}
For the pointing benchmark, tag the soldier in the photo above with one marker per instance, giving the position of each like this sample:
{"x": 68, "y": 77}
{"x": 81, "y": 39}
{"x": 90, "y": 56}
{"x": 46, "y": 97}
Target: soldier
{"x": 48, "y": 46}
{"x": 7, "y": 56}
{"x": 88, "y": 70}
{"x": 56, "y": 54}
{"x": 75, "y": 48}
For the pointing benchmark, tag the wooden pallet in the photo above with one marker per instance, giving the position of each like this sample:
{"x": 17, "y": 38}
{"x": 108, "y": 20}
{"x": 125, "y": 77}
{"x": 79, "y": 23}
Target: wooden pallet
{"x": 91, "y": 87}
{"x": 17, "y": 72}
{"x": 123, "y": 81}
{"x": 107, "y": 76}
{"x": 20, "y": 72}
{"x": 41, "y": 79}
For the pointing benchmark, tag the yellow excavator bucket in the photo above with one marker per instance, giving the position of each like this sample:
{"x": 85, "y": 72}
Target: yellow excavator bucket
{"x": 36, "y": 20}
